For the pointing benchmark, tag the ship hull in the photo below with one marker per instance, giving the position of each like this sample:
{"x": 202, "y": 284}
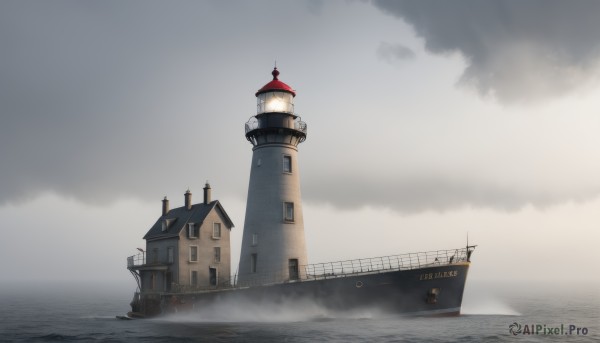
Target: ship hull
{"x": 432, "y": 290}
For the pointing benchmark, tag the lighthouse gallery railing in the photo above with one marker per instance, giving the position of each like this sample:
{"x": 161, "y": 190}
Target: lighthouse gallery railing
{"x": 254, "y": 124}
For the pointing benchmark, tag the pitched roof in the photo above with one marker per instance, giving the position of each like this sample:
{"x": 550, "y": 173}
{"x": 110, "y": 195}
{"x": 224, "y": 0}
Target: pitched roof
{"x": 179, "y": 217}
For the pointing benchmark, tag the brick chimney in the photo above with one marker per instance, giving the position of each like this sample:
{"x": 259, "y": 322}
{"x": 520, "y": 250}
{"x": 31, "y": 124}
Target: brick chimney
{"x": 207, "y": 193}
{"x": 165, "y": 207}
{"x": 188, "y": 200}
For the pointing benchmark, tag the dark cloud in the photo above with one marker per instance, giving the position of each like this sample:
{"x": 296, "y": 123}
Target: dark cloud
{"x": 394, "y": 52}
{"x": 517, "y": 51}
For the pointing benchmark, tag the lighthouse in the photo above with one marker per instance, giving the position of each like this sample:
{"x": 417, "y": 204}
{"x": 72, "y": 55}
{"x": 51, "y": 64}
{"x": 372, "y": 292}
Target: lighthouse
{"x": 273, "y": 243}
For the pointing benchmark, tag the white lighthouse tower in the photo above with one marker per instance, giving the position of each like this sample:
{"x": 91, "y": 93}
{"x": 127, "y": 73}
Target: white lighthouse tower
{"x": 273, "y": 244}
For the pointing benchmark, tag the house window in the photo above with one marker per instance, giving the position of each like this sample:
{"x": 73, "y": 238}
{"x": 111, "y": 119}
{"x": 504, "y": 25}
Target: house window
{"x": 253, "y": 263}
{"x": 216, "y": 230}
{"x": 152, "y": 280}
{"x": 287, "y": 163}
{"x": 194, "y": 278}
{"x": 217, "y": 254}
{"x": 254, "y": 239}
{"x": 155, "y": 255}
{"x": 170, "y": 254}
{"x": 194, "y": 253}
{"x": 168, "y": 281}
{"x": 164, "y": 225}
{"x": 288, "y": 211}
{"x": 192, "y": 230}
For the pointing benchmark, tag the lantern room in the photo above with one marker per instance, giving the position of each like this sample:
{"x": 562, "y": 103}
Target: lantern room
{"x": 275, "y": 121}
{"x": 275, "y": 96}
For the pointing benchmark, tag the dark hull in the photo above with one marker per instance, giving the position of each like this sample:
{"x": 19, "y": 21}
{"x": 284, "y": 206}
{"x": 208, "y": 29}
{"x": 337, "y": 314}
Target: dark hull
{"x": 435, "y": 290}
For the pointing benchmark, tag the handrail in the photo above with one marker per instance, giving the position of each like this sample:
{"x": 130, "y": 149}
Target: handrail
{"x": 136, "y": 260}
{"x": 253, "y": 124}
{"x": 385, "y": 263}
{"x": 345, "y": 268}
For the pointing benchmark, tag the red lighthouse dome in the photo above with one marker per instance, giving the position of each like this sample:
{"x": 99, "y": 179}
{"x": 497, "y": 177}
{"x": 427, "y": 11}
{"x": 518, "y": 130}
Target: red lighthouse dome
{"x": 276, "y": 85}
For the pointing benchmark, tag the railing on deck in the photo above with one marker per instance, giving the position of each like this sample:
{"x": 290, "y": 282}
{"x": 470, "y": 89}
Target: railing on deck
{"x": 136, "y": 260}
{"x": 384, "y": 263}
{"x": 320, "y": 271}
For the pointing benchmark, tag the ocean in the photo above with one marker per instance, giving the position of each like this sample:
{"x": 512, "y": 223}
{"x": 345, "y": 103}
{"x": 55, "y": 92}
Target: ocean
{"x": 85, "y": 312}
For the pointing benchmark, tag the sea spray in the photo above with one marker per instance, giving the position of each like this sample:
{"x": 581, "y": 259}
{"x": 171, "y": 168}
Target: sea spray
{"x": 243, "y": 310}
{"x": 481, "y": 300}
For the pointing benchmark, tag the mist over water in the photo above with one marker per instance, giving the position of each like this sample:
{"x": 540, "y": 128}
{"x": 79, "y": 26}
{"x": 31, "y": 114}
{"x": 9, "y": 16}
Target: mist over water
{"x": 235, "y": 311}
{"x": 482, "y": 301}
{"x": 86, "y": 312}
{"x": 489, "y": 306}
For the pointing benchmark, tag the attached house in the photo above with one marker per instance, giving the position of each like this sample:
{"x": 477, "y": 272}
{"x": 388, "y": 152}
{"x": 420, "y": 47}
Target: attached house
{"x": 187, "y": 248}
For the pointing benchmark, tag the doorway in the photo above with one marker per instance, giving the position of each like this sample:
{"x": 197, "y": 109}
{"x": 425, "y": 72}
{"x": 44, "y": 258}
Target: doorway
{"x": 168, "y": 280}
{"x": 293, "y": 269}
{"x": 212, "y": 276}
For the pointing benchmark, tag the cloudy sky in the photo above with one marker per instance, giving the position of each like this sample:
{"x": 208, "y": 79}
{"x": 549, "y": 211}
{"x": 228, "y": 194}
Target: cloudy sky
{"x": 427, "y": 120}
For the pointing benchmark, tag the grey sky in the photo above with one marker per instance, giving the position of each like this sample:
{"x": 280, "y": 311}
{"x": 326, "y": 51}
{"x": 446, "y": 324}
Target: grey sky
{"x": 392, "y": 52}
{"x": 108, "y": 103}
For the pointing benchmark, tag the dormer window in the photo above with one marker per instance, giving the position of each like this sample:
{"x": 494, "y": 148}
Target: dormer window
{"x": 166, "y": 224}
{"x": 192, "y": 230}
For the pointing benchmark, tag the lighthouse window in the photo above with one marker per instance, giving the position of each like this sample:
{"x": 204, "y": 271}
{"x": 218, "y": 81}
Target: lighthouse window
{"x": 216, "y": 230}
{"x": 254, "y": 239}
{"x": 288, "y": 211}
{"x": 194, "y": 253}
{"x": 287, "y": 164}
